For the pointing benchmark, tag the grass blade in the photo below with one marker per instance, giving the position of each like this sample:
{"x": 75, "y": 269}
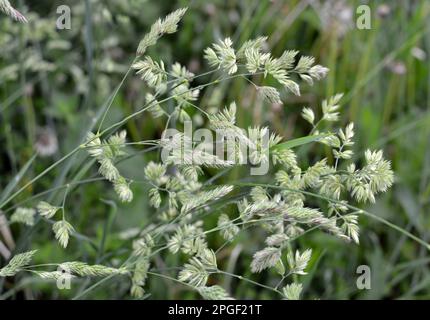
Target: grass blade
{"x": 298, "y": 142}
{"x": 14, "y": 182}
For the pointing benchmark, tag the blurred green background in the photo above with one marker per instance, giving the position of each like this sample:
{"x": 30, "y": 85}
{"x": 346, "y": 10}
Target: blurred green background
{"x": 53, "y": 81}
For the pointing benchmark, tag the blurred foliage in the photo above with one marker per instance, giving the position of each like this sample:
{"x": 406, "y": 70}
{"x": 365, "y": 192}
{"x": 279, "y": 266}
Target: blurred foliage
{"x": 57, "y": 79}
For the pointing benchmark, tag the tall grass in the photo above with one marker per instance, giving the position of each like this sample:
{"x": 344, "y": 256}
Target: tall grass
{"x": 386, "y": 90}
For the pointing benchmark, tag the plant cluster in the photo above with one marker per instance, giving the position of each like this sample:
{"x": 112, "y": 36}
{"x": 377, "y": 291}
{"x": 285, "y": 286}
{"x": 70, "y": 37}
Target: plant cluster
{"x": 182, "y": 196}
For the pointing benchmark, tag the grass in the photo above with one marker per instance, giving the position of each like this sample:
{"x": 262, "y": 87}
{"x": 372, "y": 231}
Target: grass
{"x": 390, "y": 109}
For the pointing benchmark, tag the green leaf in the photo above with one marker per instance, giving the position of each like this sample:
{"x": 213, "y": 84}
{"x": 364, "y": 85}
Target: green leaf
{"x": 14, "y": 182}
{"x": 280, "y": 268}
{"x": 298, "y": 142}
